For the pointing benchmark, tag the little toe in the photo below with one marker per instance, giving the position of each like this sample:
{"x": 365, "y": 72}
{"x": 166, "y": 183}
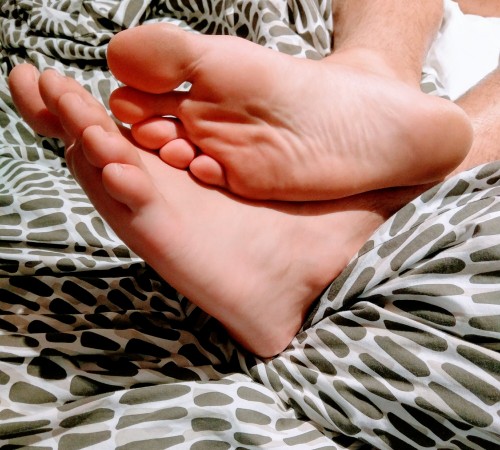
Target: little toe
{"x": 208, "y": 171}
{"x": 153, "y": 58}
{"x": 178, "y": 153}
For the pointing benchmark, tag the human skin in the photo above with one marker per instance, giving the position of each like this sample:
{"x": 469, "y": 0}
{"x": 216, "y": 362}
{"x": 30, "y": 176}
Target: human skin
{"x": 485, "y": 8}
{"x": 266, "y": 125}
{"x": 255, "y": 266}
{"x": 482, "y": 105}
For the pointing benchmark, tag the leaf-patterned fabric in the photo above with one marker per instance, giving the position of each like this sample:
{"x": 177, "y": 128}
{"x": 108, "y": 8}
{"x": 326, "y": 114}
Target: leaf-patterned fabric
{"x": 97, "y": 352}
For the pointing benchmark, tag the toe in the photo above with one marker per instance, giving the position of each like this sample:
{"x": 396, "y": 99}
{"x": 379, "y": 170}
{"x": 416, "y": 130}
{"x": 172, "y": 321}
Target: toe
{"x": 101, "y": 148}
{"x": 24, "y": 88}
{"x": 132, "y": 106}
{"x": 156, "y": 132}
{"x": 178, "y": 153}
{"x": 53, "y": 85}
{"x": 129, "y": 185}
{"x": 78, "y": 111}
{"x": 208, "y": 171}
{"x": 75, "y": 107}
{"x": 153, "y": 58}
{"x": 123, "y": 175}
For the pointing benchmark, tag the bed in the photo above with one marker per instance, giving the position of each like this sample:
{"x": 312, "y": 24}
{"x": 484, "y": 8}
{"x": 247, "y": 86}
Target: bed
{"x": 98, "y": 352}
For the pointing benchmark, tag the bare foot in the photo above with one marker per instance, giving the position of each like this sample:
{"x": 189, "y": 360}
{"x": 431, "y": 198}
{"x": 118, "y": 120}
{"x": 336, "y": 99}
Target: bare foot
{"x": 270, "y": 126}
{"x": 255, "y": 266}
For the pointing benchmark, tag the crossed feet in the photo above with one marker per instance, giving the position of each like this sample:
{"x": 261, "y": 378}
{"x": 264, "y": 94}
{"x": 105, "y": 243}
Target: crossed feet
{"x": 256, "y": 266}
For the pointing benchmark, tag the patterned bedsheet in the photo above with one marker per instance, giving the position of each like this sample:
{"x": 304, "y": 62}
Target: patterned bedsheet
{"x": 97, "y": 352}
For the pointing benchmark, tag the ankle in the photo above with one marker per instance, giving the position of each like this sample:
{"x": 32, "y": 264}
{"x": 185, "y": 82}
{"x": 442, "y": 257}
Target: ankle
{"x": 375, "y": 62}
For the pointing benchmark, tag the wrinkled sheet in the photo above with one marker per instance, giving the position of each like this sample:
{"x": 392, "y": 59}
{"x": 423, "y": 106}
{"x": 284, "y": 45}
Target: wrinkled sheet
{"x": 96, "y": 351}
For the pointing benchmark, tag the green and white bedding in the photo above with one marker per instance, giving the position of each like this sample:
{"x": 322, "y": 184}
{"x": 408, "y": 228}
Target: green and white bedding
{"x": 97, "y": 352}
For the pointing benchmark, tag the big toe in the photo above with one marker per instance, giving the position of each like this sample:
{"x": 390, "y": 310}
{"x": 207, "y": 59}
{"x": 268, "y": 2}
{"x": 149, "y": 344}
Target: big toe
{"x": 154, "y": 58}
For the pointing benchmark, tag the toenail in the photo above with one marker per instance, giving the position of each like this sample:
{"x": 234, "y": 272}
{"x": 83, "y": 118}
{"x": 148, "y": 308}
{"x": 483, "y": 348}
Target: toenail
{"x": 117, "y": 169}
{"x": 55, "y": 73}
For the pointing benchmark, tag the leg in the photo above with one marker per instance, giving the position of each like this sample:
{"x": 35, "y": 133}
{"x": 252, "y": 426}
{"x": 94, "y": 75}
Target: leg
{"x": 482, "y": 105}
{"x": 394, "y": 35}
{"x": 291, "y": 128}
{"x": 486, "y": 8}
